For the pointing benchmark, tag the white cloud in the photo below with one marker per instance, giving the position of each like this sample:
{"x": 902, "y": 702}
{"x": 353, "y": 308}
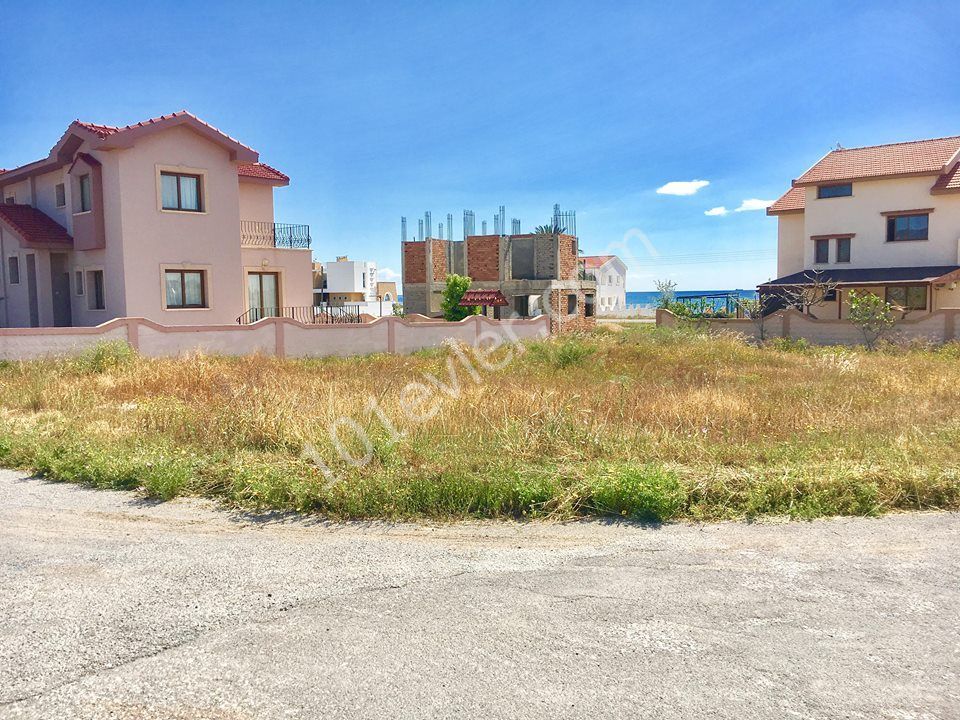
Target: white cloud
{"x": 682, "y": 187}
{"x": 720, "y": 211}
{"x": 754, "y": 204}
{"x": 388, "y": 275}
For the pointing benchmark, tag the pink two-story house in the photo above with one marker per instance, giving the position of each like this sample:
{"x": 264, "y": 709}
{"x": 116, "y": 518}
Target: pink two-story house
{"x": 169, "y": 219}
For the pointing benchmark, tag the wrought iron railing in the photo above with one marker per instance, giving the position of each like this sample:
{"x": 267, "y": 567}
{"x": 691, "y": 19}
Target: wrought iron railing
{"x": 587, "y": 275}
{"x": 307, "y": 314}
{"x": 254, "y": 233}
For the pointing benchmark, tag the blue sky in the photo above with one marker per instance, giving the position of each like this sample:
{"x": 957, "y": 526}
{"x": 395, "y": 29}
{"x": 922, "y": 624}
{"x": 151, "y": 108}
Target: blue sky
{"x": 378, "y": 110}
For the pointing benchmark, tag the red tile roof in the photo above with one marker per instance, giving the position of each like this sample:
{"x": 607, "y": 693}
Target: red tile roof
{"x": 908, "y": 158}
{"x": 592, "y": 262}
{"x": 34, "y": 226}
{"x": 948, "y": 181}
{"x": 792, "y": 201}
{"x": 260, "y": 170}
{"x": 108, "y": 130}
{"x": 254, "y": 170}
{"x": 483, "y": 297}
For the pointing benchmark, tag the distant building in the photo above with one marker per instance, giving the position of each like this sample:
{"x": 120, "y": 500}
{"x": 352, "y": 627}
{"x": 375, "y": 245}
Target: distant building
{"x": 354, "y": 283}
{"x": 610, "y": 274}
{"x": 387, "y": 292}
{"x": 536, "y": 273}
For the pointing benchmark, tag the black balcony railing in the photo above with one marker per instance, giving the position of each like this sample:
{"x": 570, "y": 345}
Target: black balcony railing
{"x": 254, "y": 233}
{"x": 307, "y": 314}
{"x": 587, "y": 275}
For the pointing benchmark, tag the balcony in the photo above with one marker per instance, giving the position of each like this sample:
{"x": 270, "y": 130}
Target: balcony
{"x": 254, "y": 233}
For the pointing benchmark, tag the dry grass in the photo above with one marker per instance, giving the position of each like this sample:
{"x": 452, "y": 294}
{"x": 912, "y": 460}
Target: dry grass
{"x": 640, "y": 422}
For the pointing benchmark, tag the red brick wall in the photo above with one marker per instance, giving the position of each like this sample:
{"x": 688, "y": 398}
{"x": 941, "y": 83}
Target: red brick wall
{"x": 483, "y": 257}
{"x": 414, "y": 262}
{"x": 560, "y": 321}
{"x": 569, "y": 258}
{"x": 439, "y": 259}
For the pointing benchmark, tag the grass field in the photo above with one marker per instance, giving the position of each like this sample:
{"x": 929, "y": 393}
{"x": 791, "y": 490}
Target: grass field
{"x": 643, "y": 423}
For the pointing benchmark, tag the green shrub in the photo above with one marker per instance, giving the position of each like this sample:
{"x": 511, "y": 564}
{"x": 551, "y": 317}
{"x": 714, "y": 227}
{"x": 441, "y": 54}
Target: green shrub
{"x": 647, "y": 492}
{"x": 562, "y": 353}
{"x": 104, "y": 356}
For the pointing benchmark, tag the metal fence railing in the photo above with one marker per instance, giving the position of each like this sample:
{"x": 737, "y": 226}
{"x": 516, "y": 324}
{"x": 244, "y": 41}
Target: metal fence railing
{"x": 307, "y": 314}
{"x": 254, "y": 233}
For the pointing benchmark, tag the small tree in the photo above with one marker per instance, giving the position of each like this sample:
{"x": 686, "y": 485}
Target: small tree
{"x": 668, "y": 292}
{"x": 398, "y": 310}
{"x": 811, "y": 294}
{"x": 873, "y": 315}
{"x": 457, "y": 285}
{"x": 755, "y": 309}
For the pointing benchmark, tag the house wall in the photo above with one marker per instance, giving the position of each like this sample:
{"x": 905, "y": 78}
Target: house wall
{"x": 294, "y": 268}
{"x": 153, "y": 238}
{"x": 46, "y": 197}
{"x": 256, "y": 201}
{"x": 483, "y": 257}
{"x": 414, "y": 262}
{"x": 20, "y": 192}
{"x": 860, "y": 214}
{"x": 792, "y": 244}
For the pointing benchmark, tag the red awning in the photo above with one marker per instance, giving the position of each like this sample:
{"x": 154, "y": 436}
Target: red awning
{"x": 493, "y": 298}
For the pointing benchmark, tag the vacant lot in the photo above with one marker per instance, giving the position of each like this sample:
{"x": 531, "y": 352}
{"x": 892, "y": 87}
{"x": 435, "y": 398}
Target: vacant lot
{"x": 642, "y": 422}
{"x": 117, "y": 609}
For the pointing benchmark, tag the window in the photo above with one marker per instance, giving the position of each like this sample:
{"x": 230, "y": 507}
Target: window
{"x": 185, "y": 289}
{"x": 821, "y": 251}
{"x": 10, "y": 200}
{"x": 571, "y": 304}
{"x": 588, "y": 303}
{"x": 78, "y": 281}
{"x": 85, "y": 199}
{"x": 13, "y": 270}
{"x": 832, "y": 191}
{"x": 61, "y": 194}
{"x": 908, "y": 297}
{"x": 180, "y": 192}
{"x": 843, "y": 250}
{"x": 95, "y": 296}
{"x": 907, "y": 227}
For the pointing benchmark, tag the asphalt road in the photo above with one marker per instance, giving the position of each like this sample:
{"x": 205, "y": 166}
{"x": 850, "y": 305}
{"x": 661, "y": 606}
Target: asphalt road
{"x": 112, "y": 607}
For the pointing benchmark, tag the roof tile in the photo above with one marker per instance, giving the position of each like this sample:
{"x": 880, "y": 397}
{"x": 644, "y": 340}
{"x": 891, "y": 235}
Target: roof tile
{"x": 260, "y": 170}
{"x": 33, "y": 225}
{"x": 876, "y": 161}
{"x": 948, "y": 181}
{"x": 793, "y": 200}
{"x": 592, "y": 262}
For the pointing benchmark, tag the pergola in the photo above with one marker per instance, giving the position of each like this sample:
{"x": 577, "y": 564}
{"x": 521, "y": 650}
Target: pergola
{"x": 484, "y": 298}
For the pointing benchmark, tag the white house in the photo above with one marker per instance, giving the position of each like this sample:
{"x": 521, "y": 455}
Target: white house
{"x": 611, "y": 276}
{"x": 884, "y": 218}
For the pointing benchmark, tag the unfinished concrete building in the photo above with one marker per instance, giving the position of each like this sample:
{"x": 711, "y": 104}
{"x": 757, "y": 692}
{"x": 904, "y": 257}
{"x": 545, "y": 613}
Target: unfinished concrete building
{"x": 537, "y": 273}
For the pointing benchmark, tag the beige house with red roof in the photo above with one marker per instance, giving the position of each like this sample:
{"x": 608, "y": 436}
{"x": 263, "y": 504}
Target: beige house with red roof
{"x": 610, "y": 273}
{"x": 884, "y": 218}
{"x": 169, "y": 219}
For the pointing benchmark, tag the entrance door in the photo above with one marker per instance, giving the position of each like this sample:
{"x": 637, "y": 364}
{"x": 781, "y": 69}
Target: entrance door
{"x": 32, "y": 290}
{"x": 263, "y": 295}
{"x": 60, "y": 284}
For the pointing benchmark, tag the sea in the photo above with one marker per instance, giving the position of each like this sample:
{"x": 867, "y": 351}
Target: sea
{"x": 648, "y": 300}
